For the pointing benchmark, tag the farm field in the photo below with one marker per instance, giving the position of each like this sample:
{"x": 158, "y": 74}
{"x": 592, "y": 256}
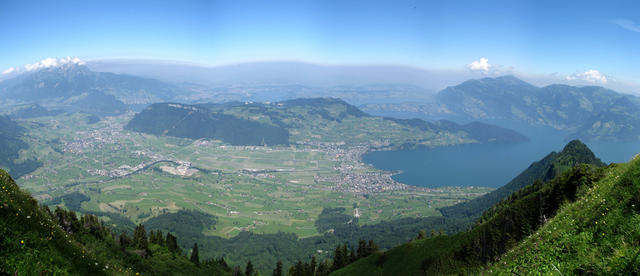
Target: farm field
{"x": 247, "y": 188}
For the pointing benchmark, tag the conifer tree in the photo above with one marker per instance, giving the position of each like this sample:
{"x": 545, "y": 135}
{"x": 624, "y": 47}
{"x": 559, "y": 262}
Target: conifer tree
{"x": 338, "y": 259}
{"x": 421, "y": 235}
{"x": 195, "y": 258}
{"x": 362, "y": 249}
{"x": 312, "y": 266}
{"x": 172, "y": 243}
{"x": 124, "y": 241}
{"x": 140, "y": 238}
{"x": 298, "y": 269}
{"x": 345, "y": 255}
{"x": 323, "y": 269}
{"x": 152, "y": 237}
{"x": 278, "y": 270}
{"x": 249, "y": 271}
{"x": 237, "y": 271}
{"x": 373, "y": 247}
{"x": 352, "y": 256}
{"x": 159, "y": 238}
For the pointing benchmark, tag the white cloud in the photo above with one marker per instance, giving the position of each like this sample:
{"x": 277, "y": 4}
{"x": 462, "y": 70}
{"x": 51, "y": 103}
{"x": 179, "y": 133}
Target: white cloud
{"x": 627, "y": 25}
{"x": 52, "y": 62}
{"x": 480, "y": 65}
{"x": 8, "y": 71}
{"x": 591, "y": 76}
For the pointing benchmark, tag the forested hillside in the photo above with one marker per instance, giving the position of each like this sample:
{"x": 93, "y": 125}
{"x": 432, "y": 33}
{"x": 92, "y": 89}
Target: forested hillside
{"x": 37, "y": 241}
{"x": 304, "y": 121}
{"x": 595, "y": 235}
{"x": 575, "y": 152}
{"x": 194, "y": 122}
{"x": 10, "y": 146}
{"x": 578, "y": 222}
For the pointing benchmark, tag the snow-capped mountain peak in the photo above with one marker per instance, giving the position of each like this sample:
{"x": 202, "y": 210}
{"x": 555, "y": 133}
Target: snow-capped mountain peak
{"x": 45, "y": 63}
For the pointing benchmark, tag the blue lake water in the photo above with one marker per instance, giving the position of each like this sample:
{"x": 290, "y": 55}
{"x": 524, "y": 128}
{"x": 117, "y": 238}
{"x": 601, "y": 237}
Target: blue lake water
{"x": 486, "y": 165}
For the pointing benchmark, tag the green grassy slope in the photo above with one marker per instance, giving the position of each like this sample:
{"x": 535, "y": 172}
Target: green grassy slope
{"x": 596, "y": 235}
{"x": 34, "y": 241}
{"x": 31, "y": 241}
{"x": 499, "y": 230}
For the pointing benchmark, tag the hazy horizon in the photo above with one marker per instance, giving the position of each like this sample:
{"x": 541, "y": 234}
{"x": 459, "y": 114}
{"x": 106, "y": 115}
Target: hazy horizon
{"x": 464, "y": 38}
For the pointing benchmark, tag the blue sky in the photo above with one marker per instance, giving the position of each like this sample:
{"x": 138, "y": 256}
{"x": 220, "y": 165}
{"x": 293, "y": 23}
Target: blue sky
{"x": 531, "y": 37}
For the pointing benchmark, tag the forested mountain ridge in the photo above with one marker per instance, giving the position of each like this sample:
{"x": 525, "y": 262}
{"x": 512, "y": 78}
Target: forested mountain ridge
{"x": 314, "y": 120}
{"x": 36, "y": 241}
{"x": 552, "y": 165}
{"x": 188, "y": 121}
{"x": 599, "y": 201}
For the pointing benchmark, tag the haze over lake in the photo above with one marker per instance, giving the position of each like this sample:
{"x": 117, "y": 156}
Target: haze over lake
{"x": 486, "y": 165}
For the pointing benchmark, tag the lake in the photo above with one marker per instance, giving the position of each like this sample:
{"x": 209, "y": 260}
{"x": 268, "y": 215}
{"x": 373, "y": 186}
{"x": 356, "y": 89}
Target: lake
{"x": 485, "y": 165}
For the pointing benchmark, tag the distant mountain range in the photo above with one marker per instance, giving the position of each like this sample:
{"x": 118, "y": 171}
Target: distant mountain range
{"x": 589, "y": 113}
{"x": 74, "y": 87}
{"x": 283, "y": 73}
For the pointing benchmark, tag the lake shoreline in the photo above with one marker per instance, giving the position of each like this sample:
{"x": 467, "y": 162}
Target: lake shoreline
{"x": 481, "y": 164}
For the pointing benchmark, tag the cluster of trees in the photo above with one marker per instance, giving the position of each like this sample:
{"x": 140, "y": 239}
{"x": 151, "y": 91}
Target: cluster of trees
{"x": 266, "y": 249}
{"x": 342, "y": 256}
{"x": 523, "y": 213}
{"x": 86, "y": 224}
